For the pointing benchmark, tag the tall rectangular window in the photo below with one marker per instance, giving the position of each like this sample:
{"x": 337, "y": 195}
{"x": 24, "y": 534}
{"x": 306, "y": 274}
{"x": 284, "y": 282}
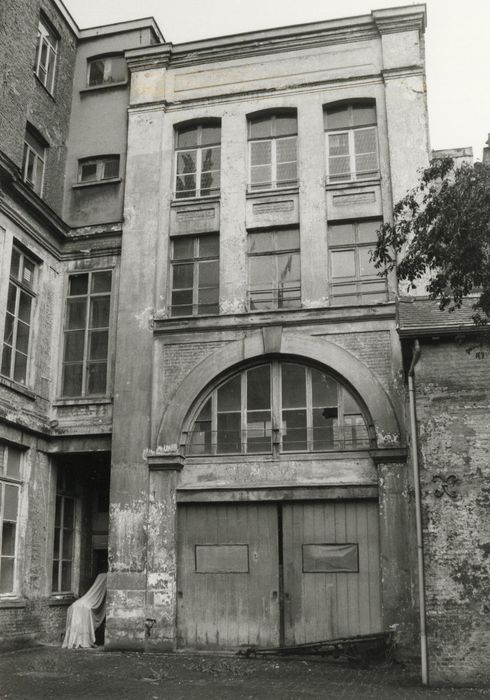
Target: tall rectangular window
{"x": 274, "y": 269}
{"x": 273, "y": 159}
{"x": 34, "y": 161}
{"x": 353, "y": 277}
{"x": 197, "y": 161}
{"x": 86, "y": 333}
{"x": 195, "y": 275}
{"x": 10, "y": 490}
{"x": 352, "y": 144}
{"x": 64, "y": 535}
{"x": 17, "y": 334}
{"x": 46, "y": 53}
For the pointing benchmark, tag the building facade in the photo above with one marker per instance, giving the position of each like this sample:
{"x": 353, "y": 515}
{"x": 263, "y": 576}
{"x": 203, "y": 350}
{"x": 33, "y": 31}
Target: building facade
{"x": 203, "y": 386}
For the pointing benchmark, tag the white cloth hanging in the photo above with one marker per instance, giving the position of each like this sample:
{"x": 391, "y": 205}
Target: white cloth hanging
{"x": 85, "y": 615}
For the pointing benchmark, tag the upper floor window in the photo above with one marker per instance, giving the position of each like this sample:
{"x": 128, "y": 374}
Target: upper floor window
{"x": 106, "y": 70}
{"x": 86, "y": 333}
{"x": 352, "y": 145}
{"x": 34, "y": 160}
{"x": 274, "y": 269}
{"x": 278, "y": 406}
{"x": 197, "y": 161}
{"x": 195, "y": 275}
{"x": 353, "y": 277}
{"x": 273, "y": 160}
{"x": 10, "y": 490}
{"x": 17, "y": 334}
{"x": 100, "y": 168}
{"x": 46, "y": 51}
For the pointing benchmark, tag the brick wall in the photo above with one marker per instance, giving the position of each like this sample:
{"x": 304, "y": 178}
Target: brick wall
{"x": 37, "y": 621}
{"x": 453, "y": 406}
{"x": 23, "y": 97}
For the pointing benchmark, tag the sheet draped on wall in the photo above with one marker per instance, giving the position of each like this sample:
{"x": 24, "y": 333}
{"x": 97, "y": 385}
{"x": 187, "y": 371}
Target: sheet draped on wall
{"x": 85, "y": 615}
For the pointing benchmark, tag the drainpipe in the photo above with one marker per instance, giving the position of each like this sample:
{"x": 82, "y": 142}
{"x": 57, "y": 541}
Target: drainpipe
{"x": 418, "y": 511}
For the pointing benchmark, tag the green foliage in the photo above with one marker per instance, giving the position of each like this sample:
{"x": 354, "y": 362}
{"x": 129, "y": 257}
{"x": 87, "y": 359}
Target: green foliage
{"x": 441, "y": 228}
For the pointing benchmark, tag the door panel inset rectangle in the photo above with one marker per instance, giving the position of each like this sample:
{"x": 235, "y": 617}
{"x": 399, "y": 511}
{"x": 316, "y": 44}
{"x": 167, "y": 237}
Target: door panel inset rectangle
{"x": 330, "y": 558}
{"x": 221, "y": 558}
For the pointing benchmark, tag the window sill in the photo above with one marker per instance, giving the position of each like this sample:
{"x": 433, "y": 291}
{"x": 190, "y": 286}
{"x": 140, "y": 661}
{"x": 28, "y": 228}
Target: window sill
{"x": 19, "y": 388}
{"x": 368, "y": 182}
{"x": 194, "y": 201}
{"x": 93, "y": 183}
{"x": 106, "y": 86}
{"x": 13, "y": 602}
{"x": 275, "y": 192}
{"x": 83, "y": 401}
{"x": 62, "y": 600}
{"x": 50, "y": 94}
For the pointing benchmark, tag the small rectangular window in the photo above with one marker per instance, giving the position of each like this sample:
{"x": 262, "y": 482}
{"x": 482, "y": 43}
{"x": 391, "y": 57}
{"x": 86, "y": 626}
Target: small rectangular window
{"x": 10, "y": 491}
{"x": 46, "y": 55}
{"x": 17, "y": 333}
{"x": 353, "y": 277}
{"x": 86, "y": 334}
{"x": 107, "y": 70}
{"x": 274, "y": 270}
{"x": 33, "y": 162}
{"x": 195, "y": 275}
{"x": 98, "y": 169}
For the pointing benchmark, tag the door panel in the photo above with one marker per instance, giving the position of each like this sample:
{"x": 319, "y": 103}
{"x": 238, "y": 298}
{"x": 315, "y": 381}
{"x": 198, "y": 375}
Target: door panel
{"x": 228, "y": 575}
{"x": 325, "y": 597}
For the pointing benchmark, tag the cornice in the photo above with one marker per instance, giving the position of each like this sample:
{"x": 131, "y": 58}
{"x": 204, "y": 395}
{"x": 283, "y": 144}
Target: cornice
{"x": 400, "y": 19}
{"x": 149, "y": 58}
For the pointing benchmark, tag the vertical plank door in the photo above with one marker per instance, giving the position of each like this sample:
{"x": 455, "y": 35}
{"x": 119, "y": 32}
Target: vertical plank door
{"x": 331, "y": 570}
{"x": 228, "y": 581}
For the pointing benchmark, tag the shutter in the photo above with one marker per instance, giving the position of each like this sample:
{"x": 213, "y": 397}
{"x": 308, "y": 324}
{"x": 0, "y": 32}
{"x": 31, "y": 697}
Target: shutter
{"x": 260, "y": 161}
{"x": 365, "y": 148}
{"x": 338, "y": 156}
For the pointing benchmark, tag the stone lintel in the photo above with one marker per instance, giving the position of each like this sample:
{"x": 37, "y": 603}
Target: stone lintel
{"x": 165, "y": 462}
{"x": 389, "y": 455}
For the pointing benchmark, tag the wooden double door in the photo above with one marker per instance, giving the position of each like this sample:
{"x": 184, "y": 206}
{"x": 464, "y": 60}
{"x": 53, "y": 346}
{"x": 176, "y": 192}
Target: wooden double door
{"x": 268, "y": 574}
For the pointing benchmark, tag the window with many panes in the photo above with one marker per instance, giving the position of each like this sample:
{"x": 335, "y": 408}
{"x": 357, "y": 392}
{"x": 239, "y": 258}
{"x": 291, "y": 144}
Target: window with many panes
{"x": 18, "y": 317}
{"x": 352, "y": 143}
{"x": 353, "y": 277}
{"x": 278, "y": 406}
{"x": 86, "y": 333}
{"x": 64, "y": 534}
{"x": 10, "y": 492}
{"x": 272, "y": 143}
{"x": 46, "y": 52}
{"x": 106, "y": 70}
{"x": 34, "y": 161}
{"x": 195, "y": 275}
{"x": 198, "y": 160}
{"x": 98, "y": 169}
{"x": 274, "y": 269}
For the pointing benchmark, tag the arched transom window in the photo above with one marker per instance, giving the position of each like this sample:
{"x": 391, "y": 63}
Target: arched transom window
{"x": 278, "y": 406}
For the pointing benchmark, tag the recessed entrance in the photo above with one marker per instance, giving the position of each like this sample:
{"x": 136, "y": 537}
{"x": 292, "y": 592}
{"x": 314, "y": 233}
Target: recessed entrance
{"x": 265, "y": 574}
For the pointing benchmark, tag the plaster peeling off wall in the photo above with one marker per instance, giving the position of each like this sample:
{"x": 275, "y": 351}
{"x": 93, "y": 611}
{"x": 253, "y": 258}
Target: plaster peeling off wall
{"x": 128, "y": 536}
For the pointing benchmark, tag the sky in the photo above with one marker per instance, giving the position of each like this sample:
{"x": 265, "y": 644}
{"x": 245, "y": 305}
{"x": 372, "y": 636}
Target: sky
{"x": 457, "y": 45}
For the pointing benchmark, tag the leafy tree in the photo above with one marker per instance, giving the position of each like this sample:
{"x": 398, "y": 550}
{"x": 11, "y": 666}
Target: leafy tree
{"x": 441, "y": 231}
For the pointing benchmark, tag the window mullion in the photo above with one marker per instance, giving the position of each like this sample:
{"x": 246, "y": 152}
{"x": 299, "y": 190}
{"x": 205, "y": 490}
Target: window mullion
{"x": 195, "y": 287}
{"x": 243, "y": 412}
{"x": 352, "y": 155}
{"x": 274, "y": 162}
{"x": 214, "y": 421}
{"x": 85, "y": 337}
{"x": 198, "y": 171}
{"x": 309, "y": 411}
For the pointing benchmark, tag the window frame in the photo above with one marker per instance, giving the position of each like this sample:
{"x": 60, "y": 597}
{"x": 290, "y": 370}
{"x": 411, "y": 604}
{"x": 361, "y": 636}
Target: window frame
{"x": 17, "y": 482}
{"x": 44, "y": 32}
{"x": 63, "y": 494}
{"x": 195, "y": 261}
{"x": 199, "y": 148}
{"x": 274, "y": 183}
{"x": 21, "y": 287}
{"x": 364, "y": 436}
{"x": 36, "y": 150}
{"x": 100, "y": 163}
{"x": 85, "y": 361}
{"x": 359, "y": 296}
{"x": 350, "y": 130}
{"x": 105, "y": 83}
{"x": 273, "y": 254}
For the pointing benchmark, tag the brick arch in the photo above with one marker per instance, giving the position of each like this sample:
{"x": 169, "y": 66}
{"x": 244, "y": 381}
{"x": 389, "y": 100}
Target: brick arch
{"x": 305, "y": 349}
